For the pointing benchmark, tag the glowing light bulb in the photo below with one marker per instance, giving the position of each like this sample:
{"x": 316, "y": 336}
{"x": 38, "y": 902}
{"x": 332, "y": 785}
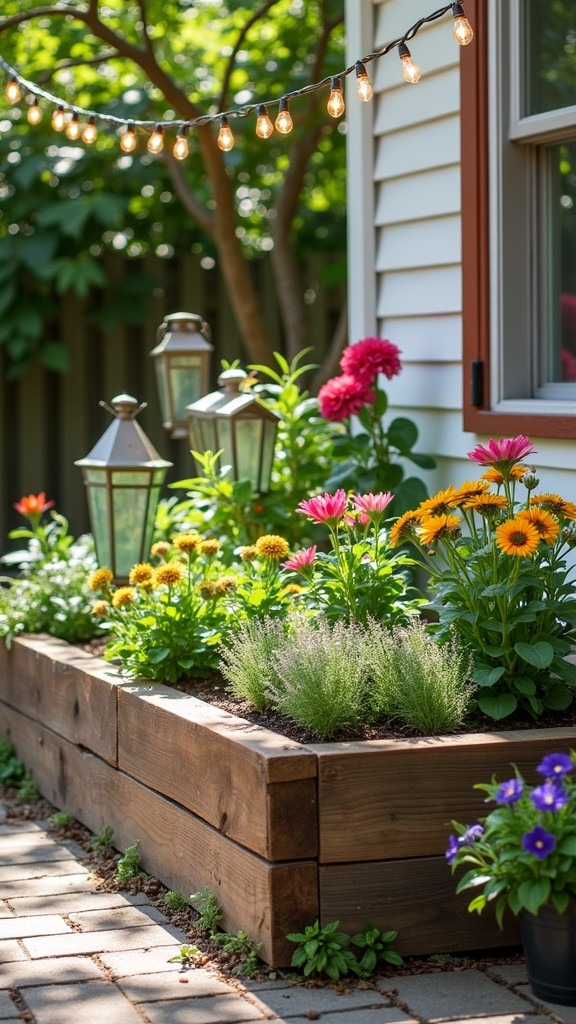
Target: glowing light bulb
{"x": 181, "y": 147}
{"x": 283, "y": 122}
{"x": 74, "y": 130}
{"x": 34, "y": 114}
{"x": 225, "y": 136}
{"x": 128, "y": 140}
{"x": 463, "y": 33}
{"x": 410, "y": 70}
{"x": 58, "y": 119}
{"x": 90, "y": 131}
{"x": 264, "y": 126}
{"x": 156, "y": 141}
{"x": 336, "y": 105}
{"x": 12, "y": 91}
{"x": 364, "y": 90}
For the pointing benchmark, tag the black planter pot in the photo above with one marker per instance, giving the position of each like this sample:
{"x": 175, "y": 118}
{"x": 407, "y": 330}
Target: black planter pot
{"x": 549, "y": 941}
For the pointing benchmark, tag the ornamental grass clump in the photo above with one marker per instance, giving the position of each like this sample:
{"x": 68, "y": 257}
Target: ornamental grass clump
{"x": 496, "y": 554}
{"x": 523, "y": 854}
{"x": 246, "y": 659}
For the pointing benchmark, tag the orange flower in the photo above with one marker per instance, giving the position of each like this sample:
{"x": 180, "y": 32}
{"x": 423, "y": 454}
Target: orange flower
{"x": 494, "y": 476}
{"x": 467, "y": 491}
{"x": 142, "y": 573}
{"x": 123, "y": 596}
{"x": 433, "y": 528}
{"x": 186, "y": 541}
{"x": 32, "y": 506}
{"x": 555, "y": 504}
{"x": 100, "y": 579}
{"x": 270, "y": 545}
{"x": 404, "y": 528}
{"x": 548, "y": 527}
{"x": 168, "y": 574}
{"x": 486, "y": 504}
{"x": 517, "y": 537}
{"x": 440, "y": 504}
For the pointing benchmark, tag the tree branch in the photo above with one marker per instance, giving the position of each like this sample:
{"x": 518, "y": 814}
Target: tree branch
{"x": 230, "y": 65}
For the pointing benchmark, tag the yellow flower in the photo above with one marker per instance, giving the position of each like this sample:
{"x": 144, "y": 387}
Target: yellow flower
{"x": 494, "y": 476}
{"x": 517, "y": 537}
{"x": 100, "y": 579}
{"x": 404, "y": 528}
{"x": 227, "y": 584}
{"x": 248, "y": 553}
{"x": 143, "y": 573}
{"x": 101, "y": 609}
{"x": 555, "y": 504}
{"x": 160, "y": 549}
{"x": 209, "y": 547}
{"x": 272, "y": 546}
{"x": 467, "y": 491}
{"x": 168, "y": 574}
{"x": 486, "y": 504}
{"x": 433, "y": 528}
{"x": 123, "y": 596}
{"x": 209, "y": 589}
{"x": 438, "y": 505}
{"x": 548, "y": 527}
{"x": 186, "y": 541}
{"x": 292, "y": 589}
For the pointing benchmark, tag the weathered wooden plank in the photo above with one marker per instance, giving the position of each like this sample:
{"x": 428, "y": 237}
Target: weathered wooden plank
{"x": 56, "y": 684}
{"x": 385, "y": 800}
{"x": 416, "y": 897}
{"x": 255, "y": 786}
{"x": 266, "y": 900}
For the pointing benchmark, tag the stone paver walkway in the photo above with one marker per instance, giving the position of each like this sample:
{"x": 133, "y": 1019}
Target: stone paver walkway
{"x": 70, "y": 953}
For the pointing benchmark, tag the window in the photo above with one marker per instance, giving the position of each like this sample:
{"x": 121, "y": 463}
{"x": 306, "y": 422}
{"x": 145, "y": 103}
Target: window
{"x": 519, "y": 218}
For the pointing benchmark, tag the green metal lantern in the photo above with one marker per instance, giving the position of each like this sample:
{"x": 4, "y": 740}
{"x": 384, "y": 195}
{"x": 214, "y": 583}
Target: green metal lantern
{"x": 182, "y": 359}
{"x": 123, "y": 475}
{"x": 238, "y": 425}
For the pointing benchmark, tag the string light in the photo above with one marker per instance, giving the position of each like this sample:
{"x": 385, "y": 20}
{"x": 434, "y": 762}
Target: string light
{"x": 73, "y": 131}
{"x": 364, "y": 90}
{"x": 128, "y": 139}
{"x": 463, "y": 33}
{"x": 90, "y": 132}
{"x": 336, "y": 105}
{"x": 12, "y": 91}
{"x": 410, "y": 70}
{"x": 59, "y": 119}
{"x": 264, "y": 126}
{"x": 283, "y": 122}
{"x": 181, "y": 146}
{"x": 225, "y": 137}
{"x": 34, "y": 115}
{"x": 155, "y": 143}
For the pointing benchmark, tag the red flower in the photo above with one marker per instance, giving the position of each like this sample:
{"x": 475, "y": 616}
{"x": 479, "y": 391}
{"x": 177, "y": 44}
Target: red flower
{"x": 369, "y": 357}
{"x": 32, "y": 506}
{"x": 327, "y": 508}
{"x": 343, "y": 396}
{"x": 503, "y": 453}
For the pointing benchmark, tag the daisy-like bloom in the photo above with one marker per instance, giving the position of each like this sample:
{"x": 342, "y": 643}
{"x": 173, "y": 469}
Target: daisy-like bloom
{"x": 32, "y": 506}
{"x": 292, "y": 590}
{"x": 509, "y": 792}
{"x": 555, "y": 766}
{"x": 186, "y": 541}
{"x": 539, "y": 842}
{"x": 209, "y": 590}
{"x": 486, "y": 504}
{"x": 227, "y": 584}
{"x": 517, "y": 537}
{"x": 372, "y": 503}
{"x": 327, "y": 508}
{"x": 209, "y": 547}
{"x": 504, "y": 453}
{"x": 270, "y": 545}
{"x": 439, "y": 504}
{"x": 468, "y": 490}
{"x": 343, "y": 396}
{"x": 404, "y": 528}
{"x": 548, "y": 527}
{"x": 168, "y": 574}
{"x": 494, "y": 476}
{"x": 248, "y": 553}
{"x": 100, "y": 579}
{"x": 433, "y": 528}
{"x": 123, "y": 596}
{"x": 369, "y": 357}
{"x": 160, "y": 549}
{"x": 555, "y": 504}
{"x": 142, "y": 574}
{"x": 549, "y": 797}
{"x": 301, "y": 561}
{"x": 101, "y": 609}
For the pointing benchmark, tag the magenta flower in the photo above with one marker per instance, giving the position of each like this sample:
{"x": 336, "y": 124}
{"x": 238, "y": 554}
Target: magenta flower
{"x": 327, "y": 508}
{"x": 369, "y": 357}
{"x": 549, "y": 797}
{"x": 372, "y": 502}
{"x": 503, "y": 453}
{"x": 301, "y": 561}
{"x": 554, "y": 766}
{"x": 539, "y": 842}
{"x": 343, "y": 396}
{"x": 509, "y": 792}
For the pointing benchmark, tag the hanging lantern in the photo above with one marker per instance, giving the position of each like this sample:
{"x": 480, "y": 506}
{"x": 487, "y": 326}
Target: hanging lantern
{"x": 123, "y": 474}
{"x": 238, "y": 425}
{"x": 182, "y": 358}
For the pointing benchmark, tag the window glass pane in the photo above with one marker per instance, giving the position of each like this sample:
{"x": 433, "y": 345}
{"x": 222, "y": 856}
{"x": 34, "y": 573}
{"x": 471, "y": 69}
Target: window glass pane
{"x": 550, "y": 27}
{"x": 559, "y": 322}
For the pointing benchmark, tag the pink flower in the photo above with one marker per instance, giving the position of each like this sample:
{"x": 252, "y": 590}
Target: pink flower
{"x": 369, "y": 357}
{"x": 503, "y": 453}
{"x": 356, "y": 518}
{"x": 301, "y": 561}
{"x": 372, "y": 502}
{"x": 327, "y": 508}
{"x": 343, "y": 396}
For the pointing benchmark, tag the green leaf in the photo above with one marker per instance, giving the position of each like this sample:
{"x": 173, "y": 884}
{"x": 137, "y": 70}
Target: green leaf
{"x": 423, "y": 461}
{"x": 54, "y": 356}
{"x": 540, "y": 654}
{"x": 402, "y": 434}
{"x": 525, "y": 685}
{"x": 533, "y": 894}
{"x": 487, "y": 676}
{"x": 499, "y": 706}
{"x": 557, "y": 697}
{"x": 567, "y": 846}
{"x": 158, "y": 654}
{"x": 566, "y": 670}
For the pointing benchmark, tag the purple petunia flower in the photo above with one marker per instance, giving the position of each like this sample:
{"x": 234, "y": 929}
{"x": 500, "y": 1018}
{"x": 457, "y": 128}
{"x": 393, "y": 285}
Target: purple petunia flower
{"x": 509, "y": 792}
{"x": 554, "y": 766}
{"x": 472, "y": 833}
{"x": 453, "y": 847}
{"x": 539, "y": 842}
{"x": 549, "y": 797}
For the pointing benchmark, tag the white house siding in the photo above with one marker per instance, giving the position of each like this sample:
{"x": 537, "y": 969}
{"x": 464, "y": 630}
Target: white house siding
{"x": 405, "y": 231}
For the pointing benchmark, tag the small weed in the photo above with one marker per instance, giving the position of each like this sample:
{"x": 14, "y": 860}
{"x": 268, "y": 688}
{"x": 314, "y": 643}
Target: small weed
{"x": 323, "y": 951}
{"x": 11, "y": 769}
{"x": 241, "y": 945}
{"x": 447, "y": 958}
{"x": 376, "y": 946}
{"x": 27, "y": 790}
{"x": 206, "y": 904}
{"x": 61, "y": 819}
{"x": 129, "y": 865}
{"x": 102, "y": 840}
{"x": 176, "y": 901}
{"x": 185, "y": 955}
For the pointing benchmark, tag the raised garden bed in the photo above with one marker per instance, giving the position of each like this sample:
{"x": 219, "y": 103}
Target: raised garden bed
{"x": 281, "y": 832}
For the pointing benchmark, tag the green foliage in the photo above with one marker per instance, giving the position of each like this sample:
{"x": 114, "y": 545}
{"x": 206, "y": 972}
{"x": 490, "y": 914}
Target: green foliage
{"x": 176, "y": 901}
{"x": 210, "y": 915}
{"x": 376, "y": 948}
{"x": 12, "y": 770}
{"x": 246, "y": 659}
{"x": 129, "y": 865}
{"x": 102, "y": 840}
{"x": 186, "y": 955}
{"x": 62, "y": 820}
{"x": 323, "y": 951}
{"x": 28, "y": 790}
{"x": 242, "y": 946}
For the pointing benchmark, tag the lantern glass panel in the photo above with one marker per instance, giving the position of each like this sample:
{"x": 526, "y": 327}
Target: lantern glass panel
{"x": 269, "y": 443}
{"x": 185, "y": 382}
{"x": 98, "y": 506}
{"x": 248, "y": 450}
{"x": 130, "y": 511}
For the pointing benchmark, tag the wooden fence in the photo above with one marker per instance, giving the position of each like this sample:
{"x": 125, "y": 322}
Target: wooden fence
{"x": 48, "y": 420}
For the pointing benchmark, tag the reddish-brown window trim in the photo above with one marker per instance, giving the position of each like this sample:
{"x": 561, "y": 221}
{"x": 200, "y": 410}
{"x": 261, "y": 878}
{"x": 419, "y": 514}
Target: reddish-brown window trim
{"x": 475, "y": 249}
